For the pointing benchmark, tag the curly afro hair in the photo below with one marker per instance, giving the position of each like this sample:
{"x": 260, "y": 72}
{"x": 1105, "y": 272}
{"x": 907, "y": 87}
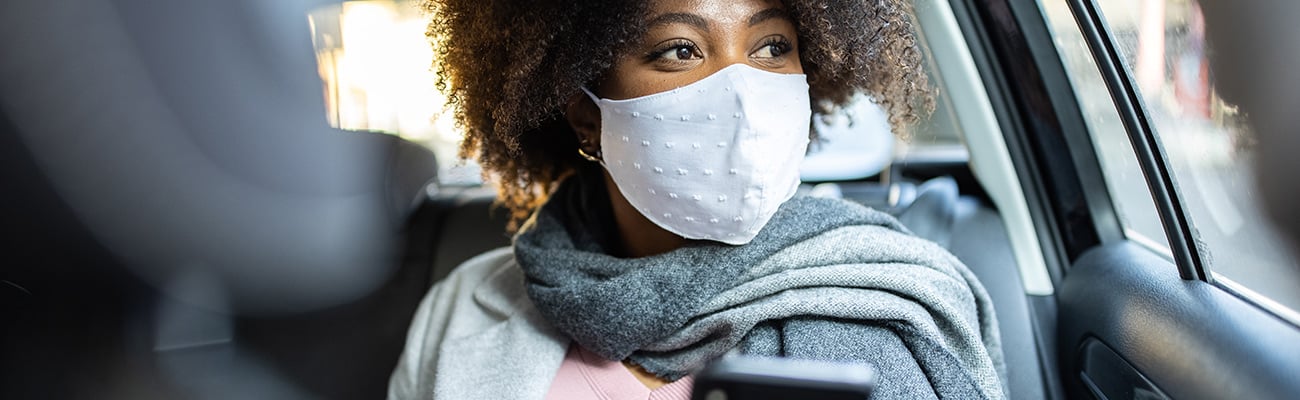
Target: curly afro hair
{"x": 509, "y": 67}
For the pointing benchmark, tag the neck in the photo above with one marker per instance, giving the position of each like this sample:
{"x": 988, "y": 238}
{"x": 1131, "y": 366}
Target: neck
{"x": 639, "y": 236}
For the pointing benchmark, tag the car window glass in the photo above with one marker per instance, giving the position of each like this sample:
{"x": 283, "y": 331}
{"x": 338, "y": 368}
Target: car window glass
{"x": 1208, "y": 146}
{"x": 1125, "y": 182}
{"x": 376, "y": 67}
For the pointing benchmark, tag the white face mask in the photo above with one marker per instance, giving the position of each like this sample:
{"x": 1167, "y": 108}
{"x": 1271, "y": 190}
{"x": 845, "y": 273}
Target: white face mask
{"x": 711, "y": 160}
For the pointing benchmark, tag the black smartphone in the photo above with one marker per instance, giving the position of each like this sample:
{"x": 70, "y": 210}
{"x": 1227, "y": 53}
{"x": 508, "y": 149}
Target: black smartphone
{"x": 769, "y": 378}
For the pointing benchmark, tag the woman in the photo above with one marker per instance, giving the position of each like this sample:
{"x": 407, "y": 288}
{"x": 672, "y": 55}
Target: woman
{"x": 655, "y": 145}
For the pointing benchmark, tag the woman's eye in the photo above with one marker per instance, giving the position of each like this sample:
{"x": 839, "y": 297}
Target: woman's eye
{"x": 678, "y": 53}
{"x": 773, "y": 49}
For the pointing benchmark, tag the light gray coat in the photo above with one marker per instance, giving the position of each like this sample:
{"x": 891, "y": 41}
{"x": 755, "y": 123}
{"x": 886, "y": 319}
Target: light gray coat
{"x": 476, "y": 335}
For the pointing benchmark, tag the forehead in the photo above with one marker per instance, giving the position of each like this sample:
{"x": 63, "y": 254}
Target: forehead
{"x": 722, "y": 11}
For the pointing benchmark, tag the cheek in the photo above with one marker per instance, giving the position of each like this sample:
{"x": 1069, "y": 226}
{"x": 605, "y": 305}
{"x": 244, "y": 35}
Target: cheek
{"x": 622, "y": 81}
{"x": 626, "y": 83}
{"x": 630, "y": 78}
{"x": 796, "y": 61}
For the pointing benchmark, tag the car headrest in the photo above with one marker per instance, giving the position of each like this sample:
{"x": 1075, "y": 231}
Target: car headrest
{"x": 933, "y": 212}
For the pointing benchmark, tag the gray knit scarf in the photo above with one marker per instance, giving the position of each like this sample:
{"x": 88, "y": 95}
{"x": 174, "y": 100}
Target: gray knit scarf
{"x": 825, "y": 279}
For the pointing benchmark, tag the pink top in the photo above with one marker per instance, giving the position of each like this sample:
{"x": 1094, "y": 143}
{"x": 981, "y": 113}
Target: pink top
{"x": 586, "y": 376}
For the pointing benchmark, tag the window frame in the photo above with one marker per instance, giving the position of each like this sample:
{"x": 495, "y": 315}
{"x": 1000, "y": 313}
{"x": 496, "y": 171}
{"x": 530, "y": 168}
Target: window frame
{"x": 1191, "y": 263}
{"x": 1169, "y": 319}
{"x": 1150, "y": 153}
{"x": 1043, "y": 126}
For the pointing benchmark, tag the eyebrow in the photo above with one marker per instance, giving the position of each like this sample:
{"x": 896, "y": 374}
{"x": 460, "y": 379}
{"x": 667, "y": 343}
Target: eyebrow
{"x": 682, "y": 18}
{"x": 771, "y": 13}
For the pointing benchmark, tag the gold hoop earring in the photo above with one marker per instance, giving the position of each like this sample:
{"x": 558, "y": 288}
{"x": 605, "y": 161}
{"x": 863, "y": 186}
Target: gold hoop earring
{"x": 595, "y": 159}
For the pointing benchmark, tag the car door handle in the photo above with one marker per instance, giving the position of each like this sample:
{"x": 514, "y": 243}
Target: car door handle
{"x": 1108, "y": 376}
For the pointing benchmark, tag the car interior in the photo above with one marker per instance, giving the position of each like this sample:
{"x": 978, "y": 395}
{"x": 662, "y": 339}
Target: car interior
{"x": 145, "y": 144}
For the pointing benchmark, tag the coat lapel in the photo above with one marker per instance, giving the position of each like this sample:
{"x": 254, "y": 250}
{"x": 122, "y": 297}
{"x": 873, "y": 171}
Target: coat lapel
{"x": 514, "y": 359}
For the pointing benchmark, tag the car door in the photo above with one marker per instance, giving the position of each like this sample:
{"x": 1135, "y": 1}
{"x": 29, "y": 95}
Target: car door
{"x": 1168, "y": 282}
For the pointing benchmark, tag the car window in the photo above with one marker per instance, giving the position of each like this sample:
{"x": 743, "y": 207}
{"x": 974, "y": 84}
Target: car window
{"x": 1134, "y": 205}
{"x": 376, "y": 69}
{"x": 1208, "y": 146}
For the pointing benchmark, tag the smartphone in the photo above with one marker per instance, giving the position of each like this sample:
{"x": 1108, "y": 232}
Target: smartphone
{"x": 770, "y": 378}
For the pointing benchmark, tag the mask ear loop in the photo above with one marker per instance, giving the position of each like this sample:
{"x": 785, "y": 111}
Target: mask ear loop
{"x": 593, "y": 97}
{"x": 596, "y": 158}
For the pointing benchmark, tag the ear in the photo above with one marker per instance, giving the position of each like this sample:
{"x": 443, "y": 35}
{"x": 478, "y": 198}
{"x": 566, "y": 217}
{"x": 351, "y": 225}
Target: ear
{"x": 584, "y": 118}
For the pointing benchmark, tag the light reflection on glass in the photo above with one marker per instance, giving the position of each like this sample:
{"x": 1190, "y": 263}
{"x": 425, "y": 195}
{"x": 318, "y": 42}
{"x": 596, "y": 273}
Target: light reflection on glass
{"x": 1209, "y": 147}
{"x": 375, "y": 64}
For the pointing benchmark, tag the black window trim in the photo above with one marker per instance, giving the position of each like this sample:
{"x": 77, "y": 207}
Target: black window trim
{"x": 1045, "y": 129}
{"x": 1151, "y": 155}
